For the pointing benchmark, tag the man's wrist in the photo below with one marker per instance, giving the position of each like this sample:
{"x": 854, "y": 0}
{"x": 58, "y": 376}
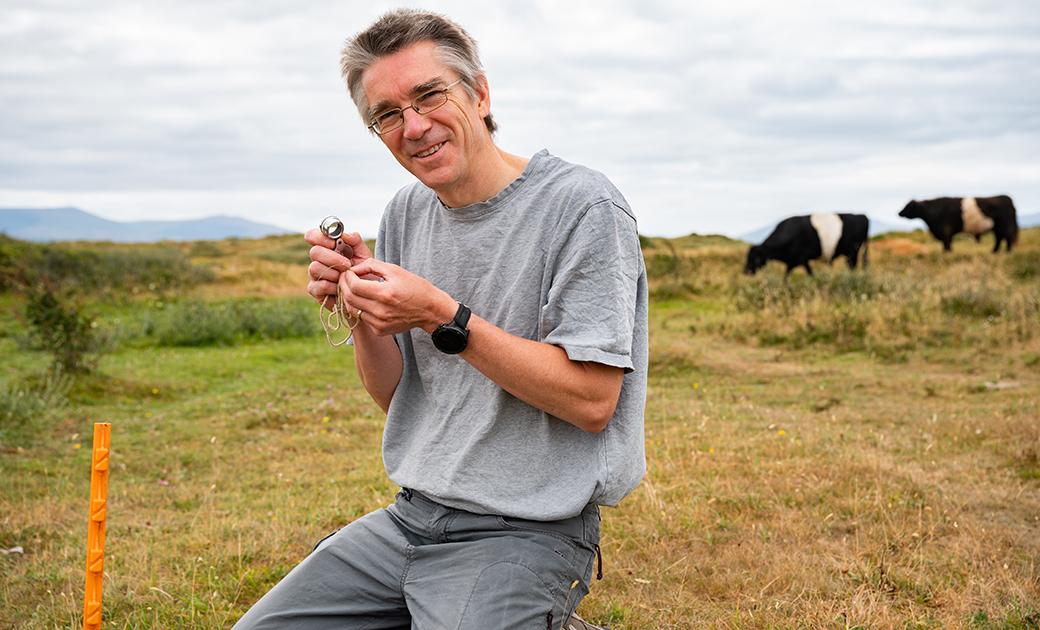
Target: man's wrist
{"x": 443, "y": 310}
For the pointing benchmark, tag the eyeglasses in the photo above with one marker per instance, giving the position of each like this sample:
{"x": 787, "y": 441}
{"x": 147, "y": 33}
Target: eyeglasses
{"x": 385, "y": 122}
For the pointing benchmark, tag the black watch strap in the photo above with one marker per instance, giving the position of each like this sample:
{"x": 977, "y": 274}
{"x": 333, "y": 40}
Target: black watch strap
{"x": 461, "y": 318}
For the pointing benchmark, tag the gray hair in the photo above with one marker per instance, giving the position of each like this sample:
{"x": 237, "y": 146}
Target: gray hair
{"x": 397, "y": 30}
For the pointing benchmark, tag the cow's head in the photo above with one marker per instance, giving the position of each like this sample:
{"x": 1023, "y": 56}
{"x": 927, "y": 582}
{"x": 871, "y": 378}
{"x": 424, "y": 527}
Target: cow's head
{"x": 756, "y": 259}
{"x": 912, "y": 210}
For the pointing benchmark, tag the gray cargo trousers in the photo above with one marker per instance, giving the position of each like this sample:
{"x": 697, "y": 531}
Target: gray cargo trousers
{"x": 418, "y": 564}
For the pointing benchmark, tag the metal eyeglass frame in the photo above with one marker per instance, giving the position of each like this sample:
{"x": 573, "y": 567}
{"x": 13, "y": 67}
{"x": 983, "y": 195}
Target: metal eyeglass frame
{"x": 374, "y": 125}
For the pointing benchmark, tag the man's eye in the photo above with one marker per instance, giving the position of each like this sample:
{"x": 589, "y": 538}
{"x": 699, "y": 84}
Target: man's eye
{"x": 386, "y": 117}
{"x": 431, "y": 97}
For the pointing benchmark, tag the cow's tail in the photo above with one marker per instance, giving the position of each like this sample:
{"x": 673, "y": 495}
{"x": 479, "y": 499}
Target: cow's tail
{"x": 866, "y": 252}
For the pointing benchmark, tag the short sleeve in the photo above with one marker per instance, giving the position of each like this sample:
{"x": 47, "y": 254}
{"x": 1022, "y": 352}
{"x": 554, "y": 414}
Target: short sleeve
{"x": 380, "y": 252}
{"x": 591, "y": 305}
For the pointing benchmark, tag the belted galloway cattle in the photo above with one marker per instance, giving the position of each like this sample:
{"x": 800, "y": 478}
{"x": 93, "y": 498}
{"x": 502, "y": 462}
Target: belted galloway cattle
{"x": 948, "y": 216}
{"x": 797, "y": 240}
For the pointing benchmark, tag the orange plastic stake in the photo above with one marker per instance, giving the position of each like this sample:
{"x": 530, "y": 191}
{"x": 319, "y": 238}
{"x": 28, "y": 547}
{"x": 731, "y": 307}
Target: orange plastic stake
{"x": 96, "y": 526}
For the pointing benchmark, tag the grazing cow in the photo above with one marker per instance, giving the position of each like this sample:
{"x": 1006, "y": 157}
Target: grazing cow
{"x": 947, "y": 216}
{"x": 797, "y": 240}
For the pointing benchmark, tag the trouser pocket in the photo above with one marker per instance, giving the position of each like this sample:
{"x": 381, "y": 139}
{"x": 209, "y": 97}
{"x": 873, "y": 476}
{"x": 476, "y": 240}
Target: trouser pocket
{"x": 577, "y": 590}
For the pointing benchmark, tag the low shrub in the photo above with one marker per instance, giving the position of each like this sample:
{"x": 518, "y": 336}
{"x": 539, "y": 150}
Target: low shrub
{"x": 226, "y": 323}
{"x": 61, "y": 327}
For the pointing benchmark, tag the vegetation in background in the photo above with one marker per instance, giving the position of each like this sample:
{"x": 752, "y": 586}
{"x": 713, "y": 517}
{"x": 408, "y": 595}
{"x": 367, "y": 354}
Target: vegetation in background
{"x": 97, "y": 268}
{"x": 887, "y": 310}
{"x": 291, "y": 253}
{"x": 27, "y": 406}
{"x": 848, "y": 450}
{"x": 206, "y": 249}
{"x": 59, "y": 326}
{"x": 1025, "y": 265}
{"x": 224, "y": 323}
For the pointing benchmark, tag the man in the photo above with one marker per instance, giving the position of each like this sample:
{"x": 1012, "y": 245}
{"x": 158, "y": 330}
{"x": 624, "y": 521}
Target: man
{"x": 503, "y": 331}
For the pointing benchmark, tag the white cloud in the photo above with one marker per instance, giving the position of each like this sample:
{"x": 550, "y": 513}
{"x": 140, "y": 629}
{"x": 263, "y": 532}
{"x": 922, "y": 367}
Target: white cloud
{"x": 709, "y": 116}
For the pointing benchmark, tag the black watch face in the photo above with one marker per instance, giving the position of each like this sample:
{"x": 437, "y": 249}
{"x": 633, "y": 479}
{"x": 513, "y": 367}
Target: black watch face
{"x": 449, "y": 340}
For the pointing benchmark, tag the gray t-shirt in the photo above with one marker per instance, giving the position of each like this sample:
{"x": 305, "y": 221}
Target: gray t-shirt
{"x": 554, "y": 257}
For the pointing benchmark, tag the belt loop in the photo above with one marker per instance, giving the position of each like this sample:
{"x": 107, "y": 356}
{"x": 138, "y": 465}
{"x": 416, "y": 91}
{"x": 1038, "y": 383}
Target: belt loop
{"x": 599, "y": 559}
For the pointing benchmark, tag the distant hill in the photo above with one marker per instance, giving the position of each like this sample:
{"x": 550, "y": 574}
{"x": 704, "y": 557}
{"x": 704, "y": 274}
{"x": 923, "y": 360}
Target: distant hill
{"x": 73, "y": 224}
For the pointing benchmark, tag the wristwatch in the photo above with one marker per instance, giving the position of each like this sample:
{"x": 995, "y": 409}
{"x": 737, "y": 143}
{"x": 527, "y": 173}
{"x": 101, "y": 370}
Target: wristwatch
{"x": 452, "y": 337}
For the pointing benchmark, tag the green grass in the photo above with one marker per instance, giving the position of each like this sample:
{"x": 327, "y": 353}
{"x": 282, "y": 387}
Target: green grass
{"x": 28, "y": 405}
{"x": 853, "y": 450}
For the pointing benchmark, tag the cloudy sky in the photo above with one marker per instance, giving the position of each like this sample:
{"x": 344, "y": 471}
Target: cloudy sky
{"x": 709, "y": 116}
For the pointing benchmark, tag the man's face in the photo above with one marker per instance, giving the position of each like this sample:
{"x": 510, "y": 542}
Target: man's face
{"x": 439, "y": 148}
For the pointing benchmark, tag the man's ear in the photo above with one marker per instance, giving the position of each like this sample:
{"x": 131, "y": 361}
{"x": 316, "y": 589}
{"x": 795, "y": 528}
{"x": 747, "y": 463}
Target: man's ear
{"x": 483, "y": 95}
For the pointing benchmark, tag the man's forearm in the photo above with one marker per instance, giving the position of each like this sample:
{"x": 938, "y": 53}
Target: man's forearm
{"x": 584, "y": 394}
{"x": 379, "y": 364}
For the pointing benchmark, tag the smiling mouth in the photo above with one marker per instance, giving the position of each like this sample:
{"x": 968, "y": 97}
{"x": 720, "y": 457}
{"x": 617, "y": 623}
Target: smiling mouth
{"x": 428, "y": 152}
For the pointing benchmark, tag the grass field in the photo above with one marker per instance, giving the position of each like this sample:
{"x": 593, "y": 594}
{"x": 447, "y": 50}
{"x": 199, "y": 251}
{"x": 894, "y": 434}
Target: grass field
{"x": 850, "y": 450}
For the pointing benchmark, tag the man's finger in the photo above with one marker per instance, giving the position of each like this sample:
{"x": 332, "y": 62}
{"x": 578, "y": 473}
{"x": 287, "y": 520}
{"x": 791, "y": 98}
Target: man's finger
{"x": 320, "y": 289}
{"x": 357, "y": 244}
{"x": 368, "y": 307}
{"x": 367, "y": 289}
{"x": 329, "y": 258}
{"x": 375, "y": 267}
{"x": 373, "y": 311}
{"x": 319, "y": 271}
{"x": 315, "y": 237}
{"x": 328, "y": 302}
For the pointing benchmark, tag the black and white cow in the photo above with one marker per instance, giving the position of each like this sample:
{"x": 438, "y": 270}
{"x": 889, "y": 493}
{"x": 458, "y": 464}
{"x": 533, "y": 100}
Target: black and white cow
{"x": 948, "y": 216}
{"x": 797, "y": 240}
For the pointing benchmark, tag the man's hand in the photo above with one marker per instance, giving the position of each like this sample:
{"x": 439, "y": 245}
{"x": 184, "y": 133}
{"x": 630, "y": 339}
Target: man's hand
{"x": 394, "y": 300}
{"x": 329, "y": 259}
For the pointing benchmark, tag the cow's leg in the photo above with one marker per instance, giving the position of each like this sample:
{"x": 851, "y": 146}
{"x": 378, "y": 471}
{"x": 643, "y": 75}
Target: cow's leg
{"x": 996, "y": 244}
{"x": 978, "y": 238}
{"x": 808, "y": 269}
{"x": 947, "y": 244}
{"x": 850, "y": 258}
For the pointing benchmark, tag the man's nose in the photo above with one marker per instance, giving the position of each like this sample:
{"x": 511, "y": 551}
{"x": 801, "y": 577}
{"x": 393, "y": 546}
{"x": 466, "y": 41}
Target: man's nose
{"x": 415, "y": 124}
